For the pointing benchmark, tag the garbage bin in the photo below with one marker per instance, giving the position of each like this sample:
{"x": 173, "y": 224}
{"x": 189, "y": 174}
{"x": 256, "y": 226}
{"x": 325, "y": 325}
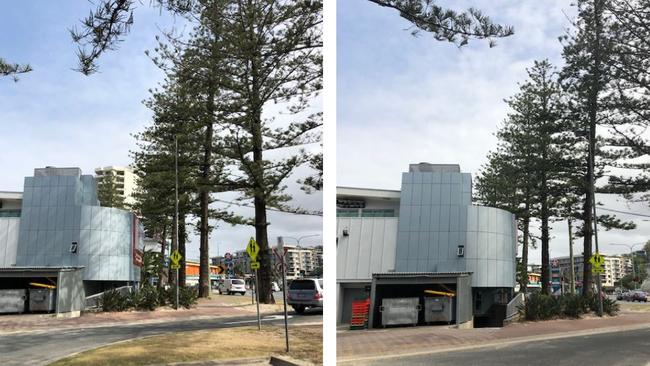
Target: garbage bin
{"x": 399, "y": 311}
{"x": 438, "y": 309}
{"x": 12, "y": 301}
{"x": 42, "y": 299}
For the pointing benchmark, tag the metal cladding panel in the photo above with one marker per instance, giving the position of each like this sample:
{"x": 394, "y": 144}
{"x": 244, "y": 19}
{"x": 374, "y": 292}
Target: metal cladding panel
{"x": 71, "y": 295}
{"x": 369, "y": 248}
{"x": 9, "y": 233}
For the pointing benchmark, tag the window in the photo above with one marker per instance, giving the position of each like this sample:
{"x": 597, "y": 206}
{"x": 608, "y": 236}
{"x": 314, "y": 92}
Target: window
{"x": 347, "y": 213}
{"x": 377, "y": 213}
{"x": 302, "y": 285}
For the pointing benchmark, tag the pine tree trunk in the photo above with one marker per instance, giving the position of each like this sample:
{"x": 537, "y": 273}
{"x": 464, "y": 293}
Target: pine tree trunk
{"x": 204, "y": 261}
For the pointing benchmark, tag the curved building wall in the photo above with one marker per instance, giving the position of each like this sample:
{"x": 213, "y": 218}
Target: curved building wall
{"x": 490, "y": 247}
{"x": 436, "y": 217}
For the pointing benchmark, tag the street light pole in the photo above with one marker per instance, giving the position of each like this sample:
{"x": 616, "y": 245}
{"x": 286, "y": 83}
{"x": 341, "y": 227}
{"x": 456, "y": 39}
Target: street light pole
{"x": 176, "y": 208}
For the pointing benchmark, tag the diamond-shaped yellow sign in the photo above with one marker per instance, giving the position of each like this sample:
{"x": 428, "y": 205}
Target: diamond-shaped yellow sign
{"x": 252, "y": 249}
{"x": 175, "y": 257}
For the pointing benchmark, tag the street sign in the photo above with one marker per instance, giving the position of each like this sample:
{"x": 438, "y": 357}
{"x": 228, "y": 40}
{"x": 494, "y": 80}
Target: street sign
{"x": 255, "y": 265}
{"x": 220, "y": 269}
{"x": 175, "y": 257}
{"x": 597, "y": 259}
{"x": 175, "y": 266}
{"x": 252, "y": 249}
{"x": 598, "y": 269}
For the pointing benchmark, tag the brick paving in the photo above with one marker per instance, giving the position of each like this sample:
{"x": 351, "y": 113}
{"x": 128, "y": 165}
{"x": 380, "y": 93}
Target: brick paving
{"x": 218, "y": 306}
{"x": 392, "y": 341}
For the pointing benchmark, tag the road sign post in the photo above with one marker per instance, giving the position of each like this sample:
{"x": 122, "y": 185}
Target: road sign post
{"x": 257, "y": 293}
{"x": 175, "y": 258}
{"x": 253, "y": 249}
{"x": 284, "y": 289}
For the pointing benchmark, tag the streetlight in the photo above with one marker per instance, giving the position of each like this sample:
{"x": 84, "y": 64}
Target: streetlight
{"x": 298, "y": 239}
{"x": 631, "y": 247}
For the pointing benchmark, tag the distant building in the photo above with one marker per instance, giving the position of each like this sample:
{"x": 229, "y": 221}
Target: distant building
{"x": 616, "y": 267}
{"x": 125, "y": 180}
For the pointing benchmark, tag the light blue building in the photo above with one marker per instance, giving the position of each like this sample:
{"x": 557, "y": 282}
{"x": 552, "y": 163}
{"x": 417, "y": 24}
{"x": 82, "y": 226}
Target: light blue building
{"x": 428, "y": 227}
{"x": 62, "y": 225}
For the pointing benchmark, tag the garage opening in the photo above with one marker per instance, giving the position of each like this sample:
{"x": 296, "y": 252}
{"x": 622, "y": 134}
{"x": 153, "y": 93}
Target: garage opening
{"x": 410, "y": 299}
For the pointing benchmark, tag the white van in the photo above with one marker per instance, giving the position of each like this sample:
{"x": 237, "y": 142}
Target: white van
{"x": 232, "y": 286}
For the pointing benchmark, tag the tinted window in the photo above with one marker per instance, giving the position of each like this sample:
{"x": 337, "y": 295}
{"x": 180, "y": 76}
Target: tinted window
{"x": 302, "y": 285}
{"x": 237, "y": 282}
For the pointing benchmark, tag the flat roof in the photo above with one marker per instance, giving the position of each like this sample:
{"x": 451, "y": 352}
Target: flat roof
{"x": 368, "y": 193}
{"x": 420, "y": 274}
{"x": 11, "y": 195}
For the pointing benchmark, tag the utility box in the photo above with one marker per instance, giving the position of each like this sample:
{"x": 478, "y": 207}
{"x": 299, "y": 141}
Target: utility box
{"x": 12, "y": 301}
{"x": 438, "y": 309}
{"x": 42, "y": 299}
{"x": 400, "y": 311}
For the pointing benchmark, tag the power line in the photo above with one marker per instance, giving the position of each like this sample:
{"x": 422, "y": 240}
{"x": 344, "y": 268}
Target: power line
{"x": 272, "y": 209}
{"x": 623, "y": 212}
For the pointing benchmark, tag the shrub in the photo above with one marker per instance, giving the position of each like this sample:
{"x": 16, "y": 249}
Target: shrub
{"x": 573, "y": 306}
{"x": 113, "y": 300}
{"x": 610, "y": 307}
{"x": 540, "y": 307}
{"x": 145, "y": 298}
{"x": 188, "y": 297}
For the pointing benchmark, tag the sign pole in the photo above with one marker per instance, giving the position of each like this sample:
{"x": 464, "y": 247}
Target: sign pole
{"x": 257, "y": 294}
{"x": 177, "y": 289}
{"x": 284, "y": 295}
{"x": 252, "y": 294}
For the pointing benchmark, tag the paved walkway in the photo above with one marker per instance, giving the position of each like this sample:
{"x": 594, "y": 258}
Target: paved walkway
{"x": 359, "y": 344}
{"x": 217, "y": 306}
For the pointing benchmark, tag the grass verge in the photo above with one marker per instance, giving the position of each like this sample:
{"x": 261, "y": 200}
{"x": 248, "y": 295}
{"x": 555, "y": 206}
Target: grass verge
{"x": 306, "y": 343}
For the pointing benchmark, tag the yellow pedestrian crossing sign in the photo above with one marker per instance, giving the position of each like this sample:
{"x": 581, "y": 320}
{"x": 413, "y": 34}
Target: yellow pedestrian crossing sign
{"x": 252, "y": 249}
{"x": 175, "y": 257}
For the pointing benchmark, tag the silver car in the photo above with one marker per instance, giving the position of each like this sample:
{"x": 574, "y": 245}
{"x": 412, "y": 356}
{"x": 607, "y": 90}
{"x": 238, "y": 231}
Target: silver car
{"x": 305, "y": 293}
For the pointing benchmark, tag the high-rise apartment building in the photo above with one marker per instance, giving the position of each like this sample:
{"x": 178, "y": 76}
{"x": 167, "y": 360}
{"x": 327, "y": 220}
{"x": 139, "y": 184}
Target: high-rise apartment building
{"x": 125, "y": 179}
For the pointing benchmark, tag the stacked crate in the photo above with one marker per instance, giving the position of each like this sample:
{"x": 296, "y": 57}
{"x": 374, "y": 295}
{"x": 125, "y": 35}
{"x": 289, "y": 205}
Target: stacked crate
{"x": 360, "y": 310}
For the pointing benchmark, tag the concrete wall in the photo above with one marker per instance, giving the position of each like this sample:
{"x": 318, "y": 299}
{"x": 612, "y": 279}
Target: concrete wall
{"x": 370, "y": 247}
{"x": 9, "y": 228}
{"x": 71, "y": 296}
{"x": 60, "y": 207}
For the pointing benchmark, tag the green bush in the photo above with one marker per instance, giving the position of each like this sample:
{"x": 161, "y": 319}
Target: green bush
{"x": 113, "y": 300}
{"x": 145, "y": 298}
{"x": 573, "y": 306}
{"x": 542, "y": 307}
{"x": 610, "y": 307}
{"x": 188, "y": 297}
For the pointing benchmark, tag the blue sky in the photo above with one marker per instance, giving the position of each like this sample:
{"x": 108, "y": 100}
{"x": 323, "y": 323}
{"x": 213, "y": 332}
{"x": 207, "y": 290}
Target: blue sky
{"x": 403, "y": 99}
{"x": 57, "y": 116}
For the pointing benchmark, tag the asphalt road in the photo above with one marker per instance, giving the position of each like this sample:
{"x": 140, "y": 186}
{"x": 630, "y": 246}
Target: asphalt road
{"x": 629, "y": 348}
{"x": 43, "y": 347}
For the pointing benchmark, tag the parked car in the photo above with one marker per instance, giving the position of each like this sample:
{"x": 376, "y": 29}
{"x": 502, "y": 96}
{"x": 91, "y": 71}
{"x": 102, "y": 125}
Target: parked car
{"x": 305, "y": 293}
{"x": 639, "y": 296}
{"x": 232, "y": 286}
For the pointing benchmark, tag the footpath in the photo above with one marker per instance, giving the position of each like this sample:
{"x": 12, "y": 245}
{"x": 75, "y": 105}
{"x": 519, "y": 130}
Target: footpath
{"x": 216, "y": 307}
{"x": 354, "y": 346}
